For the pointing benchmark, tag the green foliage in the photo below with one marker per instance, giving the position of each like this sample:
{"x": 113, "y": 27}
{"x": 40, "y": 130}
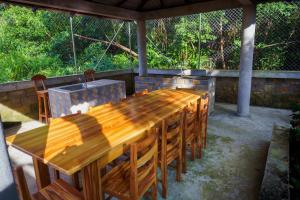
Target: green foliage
{"x": 41, "y": 42}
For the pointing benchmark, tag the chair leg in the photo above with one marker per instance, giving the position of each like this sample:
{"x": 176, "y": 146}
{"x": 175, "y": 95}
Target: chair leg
{"x": 154, "y": 191}
{"x": 75, "y": 180}
{"x": 179, "y": 167}
{"x": 199, "y": 141}
{"x": 46, "y": 110}
{"x": 164, "y": 175}
{"x": 40, "y": 109}
{"x": 193, "y": 149}
{"x": 184, "y": 157}
{"x": 56, "y": 174}
{"x": 205, "y": 134}
{"x": 21, "y": 183}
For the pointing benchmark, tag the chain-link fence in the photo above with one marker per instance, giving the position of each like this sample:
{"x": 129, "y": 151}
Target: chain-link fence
{"x": 212, "y": 40}
{"x": 55, "y": 43}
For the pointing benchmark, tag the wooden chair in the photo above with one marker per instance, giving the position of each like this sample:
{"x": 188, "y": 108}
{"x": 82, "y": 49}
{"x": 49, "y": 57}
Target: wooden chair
{"x": 190, "y": 132}
{"x": 58, "y": 190}
{"x": 203, "y": 118}
{"x": 142, "y": 93}
{"x": 89, "y": 75}
{"x": 170, "y": 147}
{"x": 130, "y": 180}
{"x": 43, "y": 98}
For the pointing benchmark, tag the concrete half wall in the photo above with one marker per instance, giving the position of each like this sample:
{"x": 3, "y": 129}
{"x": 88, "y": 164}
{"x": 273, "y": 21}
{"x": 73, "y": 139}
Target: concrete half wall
{"x": 153, "y": 82}
{"x": 18, "y": 100}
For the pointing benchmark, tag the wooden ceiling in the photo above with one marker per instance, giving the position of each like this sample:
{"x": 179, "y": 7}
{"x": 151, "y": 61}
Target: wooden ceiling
{"x": 136, "y": 9}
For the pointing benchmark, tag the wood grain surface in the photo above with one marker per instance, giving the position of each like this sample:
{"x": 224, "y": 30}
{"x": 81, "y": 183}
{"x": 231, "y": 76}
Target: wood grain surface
{"x": 72, "y": 143}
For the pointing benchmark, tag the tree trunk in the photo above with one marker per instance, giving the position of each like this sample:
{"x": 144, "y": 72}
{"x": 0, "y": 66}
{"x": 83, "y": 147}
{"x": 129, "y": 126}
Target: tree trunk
{"x": 222, "y": 44}
{"x": 122, "y": 47}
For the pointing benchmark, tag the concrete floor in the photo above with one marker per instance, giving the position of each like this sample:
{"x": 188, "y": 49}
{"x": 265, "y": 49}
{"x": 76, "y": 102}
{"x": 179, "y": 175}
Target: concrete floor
{"x": 233, "y": 163}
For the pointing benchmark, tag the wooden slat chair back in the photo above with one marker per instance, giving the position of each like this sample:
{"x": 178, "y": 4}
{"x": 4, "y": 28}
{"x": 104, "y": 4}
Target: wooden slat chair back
{"x": 89, "y": 75}
{"x": 141, "y": 93}
{"x": 190, "y": 132}
{"x": 43, "y": 98}
{"x": 58, "y": 190}
{"x": 170, "y": 147}
{"x": 132, "y": 179}
{"x": 203, "y": 116}
{"x": 39, "y": 82}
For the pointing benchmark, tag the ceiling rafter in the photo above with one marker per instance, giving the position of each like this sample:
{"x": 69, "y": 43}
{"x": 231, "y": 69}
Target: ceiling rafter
{"x": 142, "y": 4}
{"x": 82, "y": 7}
{"x": 191, "y": 8}
{"x": 245, "y": 2}
{"x": 120, "y": 3}
{"x": 162, "y": 4}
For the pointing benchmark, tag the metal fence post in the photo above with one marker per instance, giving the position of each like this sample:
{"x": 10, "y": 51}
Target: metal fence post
{"x": 8, "y": 189}
{"x": 199, "y": 41}
{"x": 129, "y": 41}
{"x": 73, "y": 43}
{"x": 142, "y": 47}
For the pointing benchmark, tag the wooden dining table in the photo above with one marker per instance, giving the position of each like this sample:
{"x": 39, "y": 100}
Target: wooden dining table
{"x": 88, "y": 142}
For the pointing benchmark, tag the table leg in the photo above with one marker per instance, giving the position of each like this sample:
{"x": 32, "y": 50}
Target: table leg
{"x": 41, "y": 174}
{"x": 92, "y": 182}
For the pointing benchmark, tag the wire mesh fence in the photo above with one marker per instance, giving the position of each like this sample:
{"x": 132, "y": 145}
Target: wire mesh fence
{"x": 213, "y": 40}
{"x": 55, "y": 43}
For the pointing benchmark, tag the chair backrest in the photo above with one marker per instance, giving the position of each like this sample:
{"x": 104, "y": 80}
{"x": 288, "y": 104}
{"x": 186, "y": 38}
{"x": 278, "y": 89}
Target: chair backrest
{"x": 21, "y": 183}
{"x": 39, "y": 83}
{"x": 143, "y": 164}
{"x": 89, "y": 75}
{"x": 204, "y": 103}
{"x": 171, "y": 137}
{"x": 191, "y": 117}
{"x": 142, "y": 93}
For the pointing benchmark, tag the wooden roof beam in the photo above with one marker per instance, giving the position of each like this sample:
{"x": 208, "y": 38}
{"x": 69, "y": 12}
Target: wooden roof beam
{"x": 245, "y": 2}
{"x": 120, "y": 3}
{"x": 82, "y": 7}
{"x": 162, "y": 4}
{"x": 142, "y": 4}
{"x": 190, "y": 9}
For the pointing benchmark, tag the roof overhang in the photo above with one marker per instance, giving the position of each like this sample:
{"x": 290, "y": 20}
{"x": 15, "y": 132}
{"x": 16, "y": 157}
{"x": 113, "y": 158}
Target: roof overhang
{"x": 138, "y": 9}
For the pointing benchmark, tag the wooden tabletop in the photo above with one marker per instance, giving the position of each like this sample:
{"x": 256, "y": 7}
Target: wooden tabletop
{"x": 69, "y": 144}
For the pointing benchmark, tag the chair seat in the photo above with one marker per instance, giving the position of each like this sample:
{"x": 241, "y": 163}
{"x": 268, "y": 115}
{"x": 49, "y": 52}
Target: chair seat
{"x": 59, "y": 190}
{"x": 116, "y": 181}
{"x": 42, "y": 92}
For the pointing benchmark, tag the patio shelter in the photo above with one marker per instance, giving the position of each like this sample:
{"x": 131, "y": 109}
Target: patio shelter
{"x": 140, "y": 11}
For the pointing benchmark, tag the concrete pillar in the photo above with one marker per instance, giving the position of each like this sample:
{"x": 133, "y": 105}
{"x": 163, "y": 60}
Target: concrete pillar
{"x": 142, "y": 49}
{"x": 7, "y": 185}
{"x": 246, "y": 60}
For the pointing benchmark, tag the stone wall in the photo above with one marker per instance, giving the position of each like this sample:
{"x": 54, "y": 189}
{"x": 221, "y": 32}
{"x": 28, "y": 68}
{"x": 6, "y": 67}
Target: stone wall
{"x": 155, "y": 82}
{"x": 18, "y": 101}
{"x": 271, "y": 89}
{"x": 269, "y": 92}
{"x": 277, "y": 89}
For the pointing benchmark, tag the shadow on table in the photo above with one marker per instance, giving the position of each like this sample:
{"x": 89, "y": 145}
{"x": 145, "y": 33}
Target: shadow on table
{"x": 77, "y": 147}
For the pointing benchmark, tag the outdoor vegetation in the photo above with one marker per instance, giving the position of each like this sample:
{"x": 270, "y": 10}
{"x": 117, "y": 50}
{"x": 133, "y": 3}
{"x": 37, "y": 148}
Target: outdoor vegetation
{"x": 37, "y": 41}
